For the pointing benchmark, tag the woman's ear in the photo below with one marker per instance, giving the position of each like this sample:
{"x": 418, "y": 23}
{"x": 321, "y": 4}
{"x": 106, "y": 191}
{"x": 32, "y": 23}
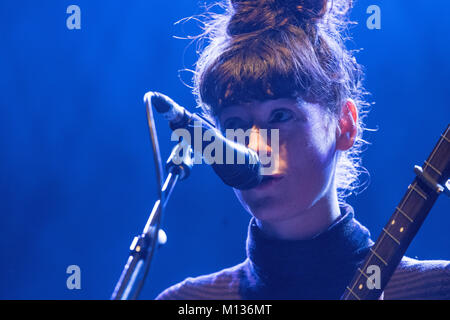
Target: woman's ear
{"x": 347, "y": 128}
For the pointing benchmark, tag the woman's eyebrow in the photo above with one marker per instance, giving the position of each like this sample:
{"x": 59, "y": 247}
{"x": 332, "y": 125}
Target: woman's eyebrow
{"x": 279, "y": 106}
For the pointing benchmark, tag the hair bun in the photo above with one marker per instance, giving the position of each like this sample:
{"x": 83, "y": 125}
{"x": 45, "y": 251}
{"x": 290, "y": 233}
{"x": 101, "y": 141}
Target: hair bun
{"x": 303, "y": 10}
{"x": 253, "y": 15}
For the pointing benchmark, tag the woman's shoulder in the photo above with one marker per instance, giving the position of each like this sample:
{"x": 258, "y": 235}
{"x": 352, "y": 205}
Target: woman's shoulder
{"x": 413, "y": 279}
{"x": 419, "y": 279}
{"x": 220, "y": 285}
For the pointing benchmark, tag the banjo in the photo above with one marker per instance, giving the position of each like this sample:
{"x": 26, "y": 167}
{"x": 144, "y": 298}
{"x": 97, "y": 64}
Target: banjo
{"x": 385, "y": 255}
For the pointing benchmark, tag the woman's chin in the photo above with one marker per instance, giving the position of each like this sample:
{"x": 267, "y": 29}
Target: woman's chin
{"x": 271, "y": 213}
{"x": 272, "y": 210}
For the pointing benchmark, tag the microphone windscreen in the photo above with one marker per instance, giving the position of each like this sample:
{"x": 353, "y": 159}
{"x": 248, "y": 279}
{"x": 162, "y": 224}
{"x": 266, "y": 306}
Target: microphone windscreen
{"x": 161, "y": 103}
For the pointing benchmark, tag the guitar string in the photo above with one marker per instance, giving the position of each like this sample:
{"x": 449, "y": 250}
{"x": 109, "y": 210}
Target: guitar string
{"x": 396, "y": 212}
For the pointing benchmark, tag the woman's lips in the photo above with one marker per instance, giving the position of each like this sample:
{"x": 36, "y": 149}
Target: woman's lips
{"x": 268, "y": 182}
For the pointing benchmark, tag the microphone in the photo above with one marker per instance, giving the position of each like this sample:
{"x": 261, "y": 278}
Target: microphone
{"x": 242, "y": 172}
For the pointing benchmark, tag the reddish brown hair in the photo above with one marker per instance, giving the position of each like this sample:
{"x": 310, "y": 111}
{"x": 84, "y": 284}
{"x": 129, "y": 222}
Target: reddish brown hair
{"x": 268, "y": 49}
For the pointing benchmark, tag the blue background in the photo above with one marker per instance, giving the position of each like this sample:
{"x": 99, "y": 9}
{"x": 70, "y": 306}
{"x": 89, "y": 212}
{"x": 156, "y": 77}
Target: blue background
{"x": 77, "y": 173}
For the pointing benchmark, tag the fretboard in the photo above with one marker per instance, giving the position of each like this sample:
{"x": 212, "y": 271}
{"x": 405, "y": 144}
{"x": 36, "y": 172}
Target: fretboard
{"x": 403, "y": 225}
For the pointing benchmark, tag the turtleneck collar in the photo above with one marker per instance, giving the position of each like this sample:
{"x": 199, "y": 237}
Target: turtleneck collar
{"x": 318, "y": 268}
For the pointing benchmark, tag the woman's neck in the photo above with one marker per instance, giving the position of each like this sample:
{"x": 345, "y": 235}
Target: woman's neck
{"x": 306, "y": 224}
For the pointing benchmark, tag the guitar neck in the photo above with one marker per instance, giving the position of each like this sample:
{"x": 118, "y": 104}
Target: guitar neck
{"x": 397, "y": 234}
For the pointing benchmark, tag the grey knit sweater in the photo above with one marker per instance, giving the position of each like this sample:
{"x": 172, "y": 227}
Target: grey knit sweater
{"x": 319, "y": 268}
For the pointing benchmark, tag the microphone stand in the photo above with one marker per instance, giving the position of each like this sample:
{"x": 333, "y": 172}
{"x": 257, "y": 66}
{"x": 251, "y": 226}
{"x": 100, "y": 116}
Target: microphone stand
{"x": 143, "y": 246}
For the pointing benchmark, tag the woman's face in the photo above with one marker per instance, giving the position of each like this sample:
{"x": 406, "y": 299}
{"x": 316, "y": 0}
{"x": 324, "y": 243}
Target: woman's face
{"x": 305, "y": 165}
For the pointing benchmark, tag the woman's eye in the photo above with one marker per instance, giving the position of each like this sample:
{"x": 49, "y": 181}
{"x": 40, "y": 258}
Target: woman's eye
{"x": 281, "y": 115}
{"x": 234, "y": 123}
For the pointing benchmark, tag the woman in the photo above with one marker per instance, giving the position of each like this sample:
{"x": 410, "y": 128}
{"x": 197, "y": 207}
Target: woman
{"x": 282, "y": 64}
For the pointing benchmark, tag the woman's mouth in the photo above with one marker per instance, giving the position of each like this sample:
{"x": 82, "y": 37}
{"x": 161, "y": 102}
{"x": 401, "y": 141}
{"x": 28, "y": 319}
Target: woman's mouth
{"x": 268, "y": 182}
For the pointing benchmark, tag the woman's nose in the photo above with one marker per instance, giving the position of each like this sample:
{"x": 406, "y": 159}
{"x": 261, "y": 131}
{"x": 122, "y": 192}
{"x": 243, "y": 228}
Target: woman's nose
{"x": 258, "y": 140}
